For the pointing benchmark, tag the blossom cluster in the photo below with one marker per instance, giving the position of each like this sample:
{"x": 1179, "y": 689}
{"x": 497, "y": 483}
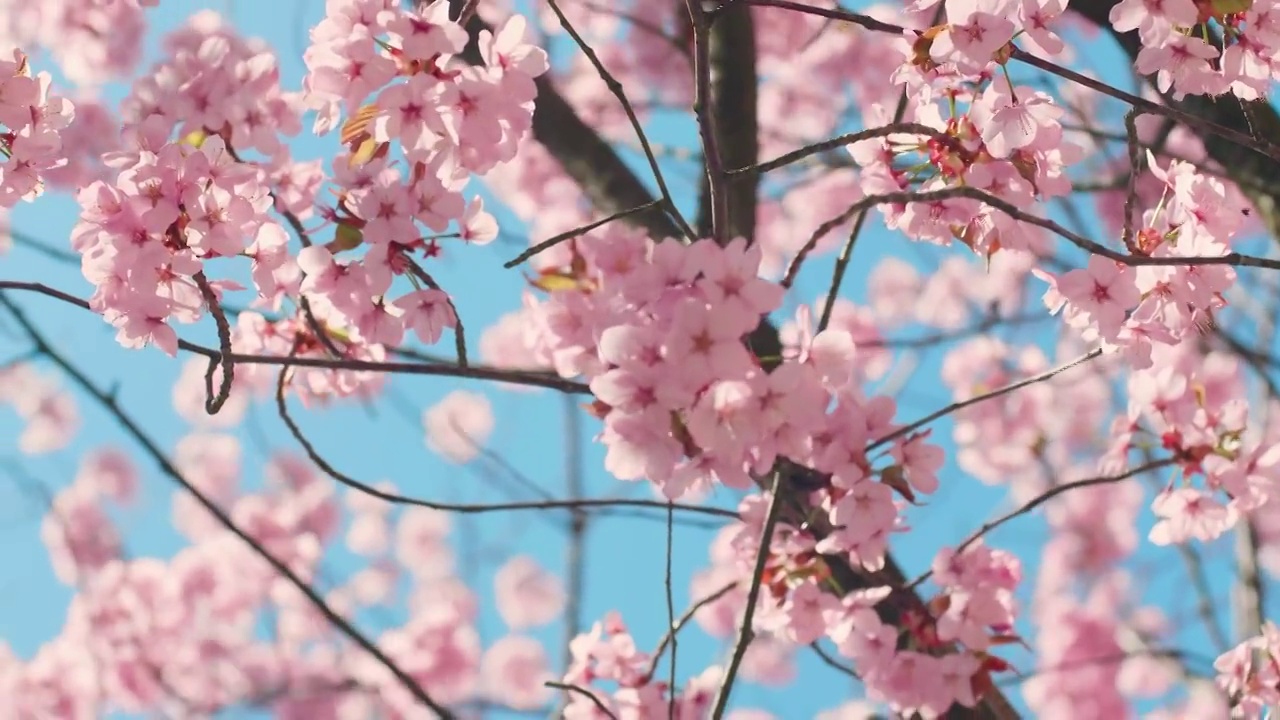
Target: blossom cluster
{"x": 201, "y": 178}
{"x": 148, "y": 234}
{"x": 1184, "y": 59}
{"x": 686, "y": 405}
{"x": 32, "y": 119}
{"x": 181, "y": 634}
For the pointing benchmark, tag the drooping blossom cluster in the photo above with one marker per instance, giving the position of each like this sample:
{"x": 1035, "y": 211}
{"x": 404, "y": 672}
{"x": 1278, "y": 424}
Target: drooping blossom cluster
{"x": 32, "y": 120}
{"x": 145, "y": 239}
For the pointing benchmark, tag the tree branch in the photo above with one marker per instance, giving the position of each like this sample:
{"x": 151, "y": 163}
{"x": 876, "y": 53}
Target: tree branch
{"x": 148, "y": 445}
{"x": 612, "y": 188}
{"x": 1256, "y": 173}
{"x": 725, "y": 64}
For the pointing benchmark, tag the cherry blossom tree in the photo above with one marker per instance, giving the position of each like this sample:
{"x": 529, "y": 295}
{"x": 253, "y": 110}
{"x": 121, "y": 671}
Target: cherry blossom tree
{"x": 1069, "y": 310}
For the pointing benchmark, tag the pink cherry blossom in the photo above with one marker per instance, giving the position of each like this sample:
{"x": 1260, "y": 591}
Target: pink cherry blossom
{"x": 458, "y": 426}
{"x": 526, "y": 594}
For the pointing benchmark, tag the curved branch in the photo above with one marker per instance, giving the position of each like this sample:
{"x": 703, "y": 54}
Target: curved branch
{"x": 473, "y": 372}
{"x": 1254, "y": 169}
{"x": 148, "y": 445}
{"x": 282, "y": 407}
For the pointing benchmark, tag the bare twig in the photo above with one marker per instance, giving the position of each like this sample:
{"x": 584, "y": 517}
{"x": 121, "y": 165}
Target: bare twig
{"x": 793, "y": 266}
{"x": 1045, "y": 497}
{"x": 901, "y": 128}
{"x": 746, "y": 632}
{"x": 282, "y": 408}
{"x": 517, "y": 377}
{"x": 912, "y": 427}
{"x": 109, "y": 403}
{"x": 615, "y": 88}
{"x": 837, "y": 273}
{"x": 831, "y": 662}
{"x": 676, "y": 626}
{"x": 583, "y": 692}
{"x": 570, "y": 234}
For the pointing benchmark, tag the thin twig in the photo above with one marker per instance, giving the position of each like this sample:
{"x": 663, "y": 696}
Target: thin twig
{"x": 109, "y": 403}
{"x": 831, "y": 662}
{"x": 1045, "y": 497}
{"x": 899, "y": 128}
{"x": 615, "y": 88}
{"x": 213, "y": 402}
{"x": 746, "y": 632}
{"x": 676, "y": 626}
{"x": 282, "y": 408}
{"x": 907, "y": 429}
{"x": 570, "y": 234}
{"x": 837, "y": 274}
{"x": 793, "y": 267}
{"x": 583, "y": 692}
{"x": 474, "y": 372}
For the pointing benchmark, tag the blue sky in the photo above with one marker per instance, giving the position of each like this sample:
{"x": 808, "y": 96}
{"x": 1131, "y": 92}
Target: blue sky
{"x": 624, "y": 556}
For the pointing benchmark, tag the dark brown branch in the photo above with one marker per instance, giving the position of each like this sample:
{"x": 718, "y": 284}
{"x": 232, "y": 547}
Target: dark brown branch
{"x": 611, "y": 187}
{"x": 215, "y": 400}
{"x": 727, "y": 83}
